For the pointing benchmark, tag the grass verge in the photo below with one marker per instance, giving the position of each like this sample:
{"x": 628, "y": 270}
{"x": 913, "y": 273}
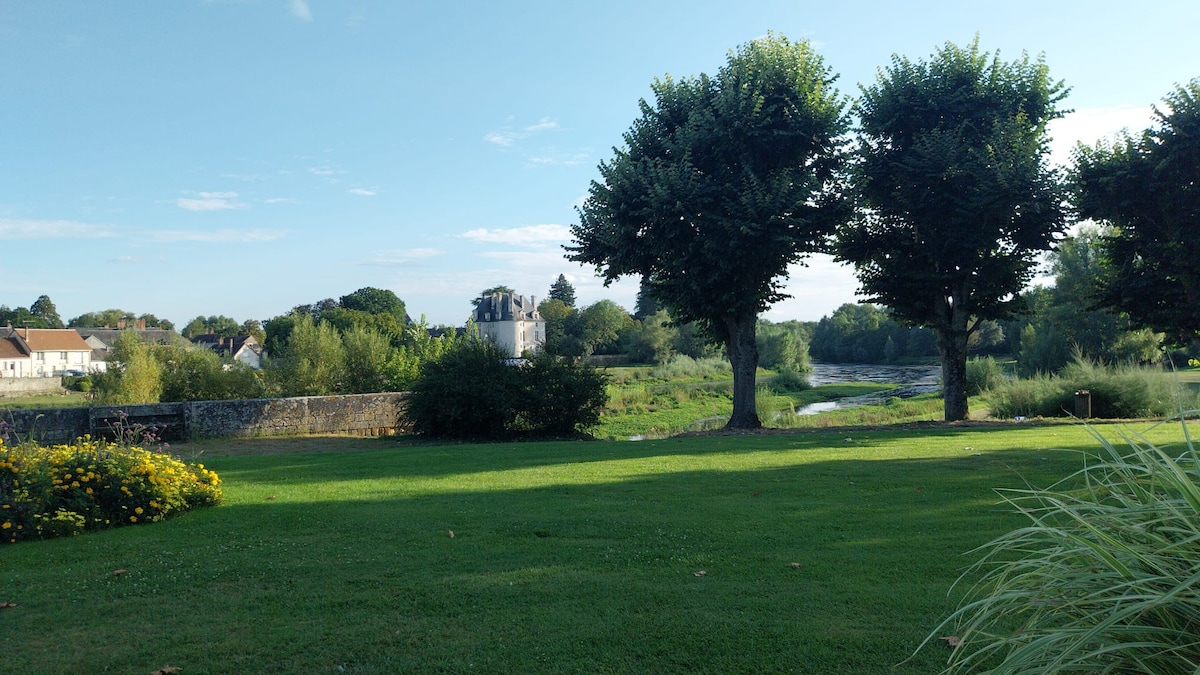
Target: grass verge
{"x": 565, "y": 557}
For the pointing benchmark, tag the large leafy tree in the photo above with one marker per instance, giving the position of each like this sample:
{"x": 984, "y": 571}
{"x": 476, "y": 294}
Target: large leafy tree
{"x": 1147, "y": 188}
{"x": 375, "y": 301}
{"x": 43, "y": 308}
{"x": 957, "y": 195}
{"x": 722, "y": 183}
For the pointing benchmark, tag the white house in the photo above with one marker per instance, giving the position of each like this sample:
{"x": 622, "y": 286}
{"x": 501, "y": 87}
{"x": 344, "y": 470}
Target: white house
{"x": 512, "y": 322}
{"x": 15, "y": 359}
{"x": 243, "y": 348}
{"x": 54, "y": 351}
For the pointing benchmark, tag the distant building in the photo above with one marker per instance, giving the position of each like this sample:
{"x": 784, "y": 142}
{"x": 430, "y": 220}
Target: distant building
{"x": 512, "y": 322}
{"x": 243, "y": 348}
{"x": 52, "y": 352}
{"x": 101, "y": 340}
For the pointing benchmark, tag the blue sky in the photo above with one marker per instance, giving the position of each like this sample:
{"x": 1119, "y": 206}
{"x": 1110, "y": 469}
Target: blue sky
{"x": 240, "y": 157}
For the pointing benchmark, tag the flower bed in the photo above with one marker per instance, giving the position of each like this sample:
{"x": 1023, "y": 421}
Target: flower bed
{"x": 89, "y": 485}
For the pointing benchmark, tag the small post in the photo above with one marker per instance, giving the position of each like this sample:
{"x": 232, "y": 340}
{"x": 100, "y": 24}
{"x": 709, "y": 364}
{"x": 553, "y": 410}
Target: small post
{"x": 1083, "y": 404}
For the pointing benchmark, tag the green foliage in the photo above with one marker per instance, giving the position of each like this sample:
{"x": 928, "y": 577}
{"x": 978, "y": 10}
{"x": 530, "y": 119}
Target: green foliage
{"x": 375, "y": 301}
{"x": 958, "y": 194}
{"x": 861, "y": 333}
{"x": 1101, "y": 579}
{"x": 1144, "y": 187}
{"x": 563, "y": 291}
{"x": 467, "y": 392}
{"x": 722, "y": 182}
{"x": 43, "y": 308}
{"x": 219, "y": 325}
{"x": 984, "y": 374}
{"x": 651, "y": 339}
{"x": 133, "y": 374}
{"x": 190, "y": 373}
{"x": 314, "y": 363}
{"x": 784, "y": 346}
{"x": 558, "y": 396}
{"x": 1122, "y": 391}
{"x": 472, "y": 390}
{"x": 89, "y": 485}
{"x": 367, "y": 356}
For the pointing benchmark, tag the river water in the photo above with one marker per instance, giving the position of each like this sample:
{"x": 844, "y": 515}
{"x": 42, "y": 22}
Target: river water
{"x": 911, "y": 381}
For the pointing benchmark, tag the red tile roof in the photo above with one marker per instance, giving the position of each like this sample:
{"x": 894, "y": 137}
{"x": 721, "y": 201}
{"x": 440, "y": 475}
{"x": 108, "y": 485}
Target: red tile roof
{"x": 53, "y": 340}
{"x": 9, "y": 349}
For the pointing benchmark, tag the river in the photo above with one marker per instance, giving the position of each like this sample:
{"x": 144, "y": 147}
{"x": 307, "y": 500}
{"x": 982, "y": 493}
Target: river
{"x": 910, "y": 381}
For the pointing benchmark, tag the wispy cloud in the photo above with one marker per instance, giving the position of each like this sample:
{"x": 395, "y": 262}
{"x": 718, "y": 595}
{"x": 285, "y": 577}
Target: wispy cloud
{"x": 300, "y": 10}
{"x": 508, "y": 137}
{"x": 325, "y": 170}
{"x": 280, "y": 200}
{"x": 11, "y": 228}
{"x": 402, "y": 257}
{"x": 529, "y": 235}
{"x": 362, "y": 192}
{"x": 1089, "y": 125}
{"x": 552, "y": 157}
{"x": 210, "y": 201}
{"x": 214, "y": 236}
{"x": 126, "y": 259}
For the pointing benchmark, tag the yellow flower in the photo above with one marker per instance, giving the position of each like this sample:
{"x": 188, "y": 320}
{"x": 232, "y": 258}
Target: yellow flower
{"x": 133, "y": 519}
{"x": 138, "y": 510}
{"x": 6, "y": 525}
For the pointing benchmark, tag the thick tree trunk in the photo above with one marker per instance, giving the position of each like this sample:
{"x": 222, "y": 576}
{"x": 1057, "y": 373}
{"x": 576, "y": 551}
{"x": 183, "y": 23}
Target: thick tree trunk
{"x": 742, "y": 349}
{"x": 953, "y": 350}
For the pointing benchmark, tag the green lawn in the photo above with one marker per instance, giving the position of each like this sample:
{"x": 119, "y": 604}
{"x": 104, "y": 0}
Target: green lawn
{"x": 70, "y": 399}
{"x": 821, "y": 552}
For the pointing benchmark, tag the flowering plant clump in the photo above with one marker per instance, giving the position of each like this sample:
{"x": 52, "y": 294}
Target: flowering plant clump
{"x": 90, "y": 485}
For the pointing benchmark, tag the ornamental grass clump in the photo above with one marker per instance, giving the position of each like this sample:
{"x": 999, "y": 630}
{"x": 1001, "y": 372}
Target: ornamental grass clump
{"x": 1105, "y": 578}
{"x": 89, "y": 485}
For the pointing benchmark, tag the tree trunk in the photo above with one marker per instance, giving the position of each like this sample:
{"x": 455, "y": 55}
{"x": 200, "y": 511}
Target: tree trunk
{"x": 742, "y": 349}
{"x": 952, "y": 346}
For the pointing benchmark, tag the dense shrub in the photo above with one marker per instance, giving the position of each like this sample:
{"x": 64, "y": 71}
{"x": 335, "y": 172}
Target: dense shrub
{"x": 682, "y": 367}
{"x": 90, "y": 485}
{"x": 556, "y": 395}
{"x": 467, "y": 392}
{"x": 1116, "y": 392}
{"x": 983, "y": 375}
{"x": 1103, "y": 578}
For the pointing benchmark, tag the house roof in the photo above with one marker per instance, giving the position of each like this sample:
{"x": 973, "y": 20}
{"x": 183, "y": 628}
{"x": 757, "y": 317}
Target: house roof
{"x": 231, "y": 346}
{"x": 506, "y": 307}
{"x": 109, "y": 335}
{"x": 53, "y": 339}
{"x": 11, "y": 349}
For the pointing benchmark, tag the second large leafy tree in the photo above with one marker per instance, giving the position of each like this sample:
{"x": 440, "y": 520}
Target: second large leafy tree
{"x": 723, "y": 182}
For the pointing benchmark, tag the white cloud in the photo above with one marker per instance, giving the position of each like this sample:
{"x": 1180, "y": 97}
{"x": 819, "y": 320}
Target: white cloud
{"x": 1090, "y": 125}
{"x": 51, "y": 229}
{"x": 210, "y": 201}
{"x": 362, "y": 192}
{"x": 214, "y": 236}
{"x": 300, "y": 10}
{"x": 507, "y": 137}
{"x": 530, "y": 235}
{"x": 325, "y": 170}
{"x": 503, "y": 139}
{"x": 543, "y": 124}
{"x": 280, "y": 200}
{"x": 126, "y": 259}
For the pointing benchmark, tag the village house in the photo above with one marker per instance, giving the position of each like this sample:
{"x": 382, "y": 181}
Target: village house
{"x": 15, "y": 359}
{"x": 101, "y": 340}
{"x": 512, "y": 322}
{"x": 241, "y": 349}
{"x": 53, "y": 352}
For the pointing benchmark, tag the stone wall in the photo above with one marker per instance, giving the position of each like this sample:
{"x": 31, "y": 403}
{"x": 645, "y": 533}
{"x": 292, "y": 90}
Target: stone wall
{"x": 364, "y": 414}
{"x": 23, "y": 386}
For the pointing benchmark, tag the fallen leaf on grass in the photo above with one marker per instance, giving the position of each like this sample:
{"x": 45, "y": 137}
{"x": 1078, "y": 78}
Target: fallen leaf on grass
{"x": 953, "y": 640}
{"x": 7, "y": 605}
{"x": 450, "y": 533}
{"x": 117, "y": 573}
{"x": 796, "y": 565}
{"x": 271, "y": 498}
{"x": 167, "y": 670}
{"x": 699, "y": 573}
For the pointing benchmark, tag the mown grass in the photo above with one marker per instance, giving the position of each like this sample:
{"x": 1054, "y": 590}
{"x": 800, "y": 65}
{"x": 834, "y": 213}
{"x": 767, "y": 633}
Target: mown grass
{"x": 565, "y": 557}
{"x": 70, "y": 399}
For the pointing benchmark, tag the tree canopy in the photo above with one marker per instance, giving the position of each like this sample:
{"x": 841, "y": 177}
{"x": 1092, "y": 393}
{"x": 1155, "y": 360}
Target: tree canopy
{"x": 562, "y": 289}
{"x": 1145, "y": 188}
{"x": 956, "y": 192}
{"x": 722, "y": 183}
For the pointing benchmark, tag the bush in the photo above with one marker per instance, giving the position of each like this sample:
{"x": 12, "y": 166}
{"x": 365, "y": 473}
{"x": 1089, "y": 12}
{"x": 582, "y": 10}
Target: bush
{"x": 467, "y": 392}
{"x": 1116, "y": 392}
{"x": 90, "y": 485}
{"x": 475, "y": 391}
{"x": 789, "y": 381}
{"x": 983, "y": 375}
{"x": 557, "y": 395}
{"x": 1103, "y": 579}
